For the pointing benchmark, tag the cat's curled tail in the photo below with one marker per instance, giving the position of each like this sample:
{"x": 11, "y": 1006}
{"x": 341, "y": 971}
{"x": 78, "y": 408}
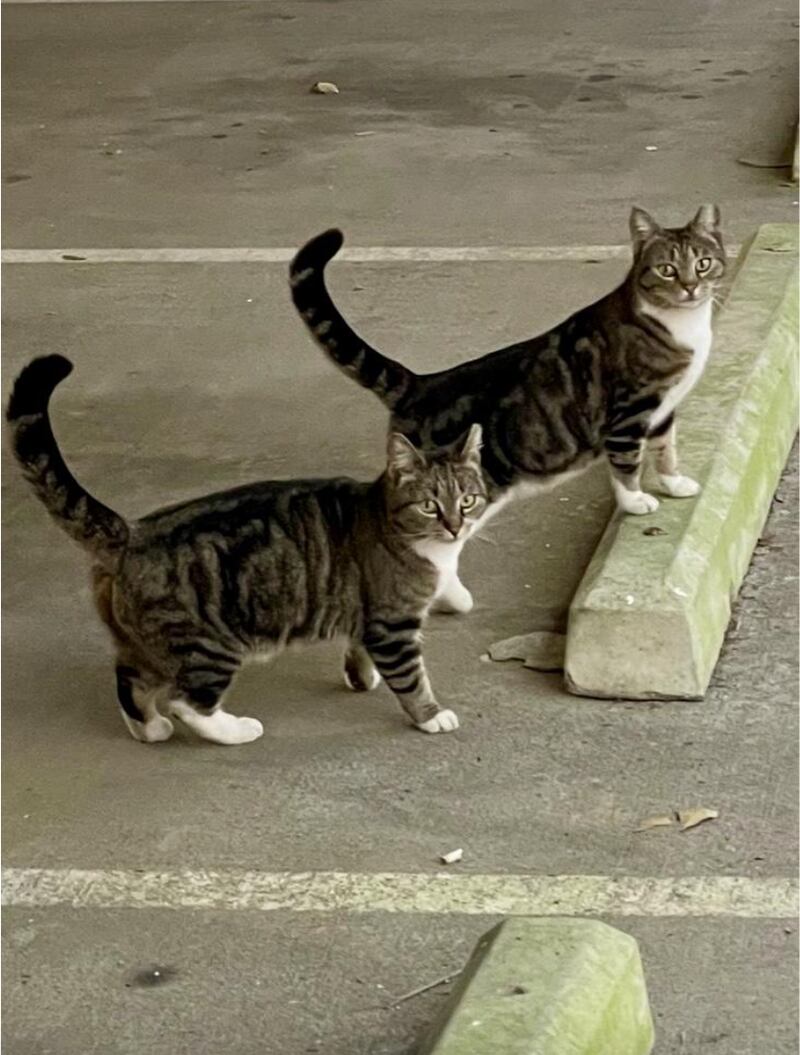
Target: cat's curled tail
{"x": 389, "y": 380}
{"x": 96, "y": 527}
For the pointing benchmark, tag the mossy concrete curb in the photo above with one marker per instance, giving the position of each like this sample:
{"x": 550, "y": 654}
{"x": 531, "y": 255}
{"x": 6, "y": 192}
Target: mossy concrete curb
{"x": 650, "y": 614}
{"x": 548, "y": 987}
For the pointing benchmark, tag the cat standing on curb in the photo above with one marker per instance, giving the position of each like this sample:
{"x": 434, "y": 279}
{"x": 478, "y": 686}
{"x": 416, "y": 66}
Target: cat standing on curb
{"x": 606, "y": 381}
{"x": 192, "y": 591}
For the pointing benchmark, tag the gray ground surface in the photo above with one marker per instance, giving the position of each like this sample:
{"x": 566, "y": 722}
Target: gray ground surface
{"x": 196, "y": 377}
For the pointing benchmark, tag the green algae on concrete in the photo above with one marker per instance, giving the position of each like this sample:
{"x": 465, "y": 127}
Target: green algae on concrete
{"x": 650, "y": 615}
{"x": 548, "y": 987}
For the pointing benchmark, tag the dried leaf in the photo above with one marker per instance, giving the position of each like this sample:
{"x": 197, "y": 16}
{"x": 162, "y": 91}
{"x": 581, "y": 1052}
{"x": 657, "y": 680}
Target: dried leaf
{"x": 654, "y": 531}
{"x": 541, "y": 650}
{"x": 649, "y": 823}
{"x": 325, "y": 88}
{"x": 692, "y": 817}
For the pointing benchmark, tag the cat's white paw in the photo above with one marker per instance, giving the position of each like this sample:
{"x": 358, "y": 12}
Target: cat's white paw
{"x": 455, "y": 600}
{"x": 157, "y": 729}
{"x": 219, "y": 727}
{"x": 372, "y": 681}
{"x": 637, "y": 503}
{"x": 442, "y": 722}
{"x": 154, "y": 731}
{"x": 680, "y": 486}
{"x": 247, "y": 730}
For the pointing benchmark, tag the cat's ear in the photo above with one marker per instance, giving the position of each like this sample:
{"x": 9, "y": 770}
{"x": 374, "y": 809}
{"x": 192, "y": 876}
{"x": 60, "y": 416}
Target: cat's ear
{"x": 642, "y": 225}
{"x": 706, "y": 219}
{"x": 403, "y": 458}
{"x": 470, "y": 450}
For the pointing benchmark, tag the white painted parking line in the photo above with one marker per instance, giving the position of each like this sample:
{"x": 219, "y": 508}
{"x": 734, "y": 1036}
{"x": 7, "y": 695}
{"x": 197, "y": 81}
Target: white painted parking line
{"x": 354, "y": 254}
{"x": 507, "y": 895}
{"x": 369, "y": 254}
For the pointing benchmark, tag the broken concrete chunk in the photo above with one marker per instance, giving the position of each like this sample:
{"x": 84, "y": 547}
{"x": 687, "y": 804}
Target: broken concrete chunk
{"x": 547, "y": 987}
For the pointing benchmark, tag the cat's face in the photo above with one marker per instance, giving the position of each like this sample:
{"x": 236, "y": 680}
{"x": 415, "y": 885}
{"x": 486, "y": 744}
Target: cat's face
{"x": 437, "y": 496}
{"x": 677, "y": 267}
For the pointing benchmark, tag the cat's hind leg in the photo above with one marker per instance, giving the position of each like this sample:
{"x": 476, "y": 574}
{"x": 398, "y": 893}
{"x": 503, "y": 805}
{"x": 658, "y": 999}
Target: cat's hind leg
{"x": 360, "y": 673}
{"x": 198, "y": 704}
{"x": 138, "y": 706}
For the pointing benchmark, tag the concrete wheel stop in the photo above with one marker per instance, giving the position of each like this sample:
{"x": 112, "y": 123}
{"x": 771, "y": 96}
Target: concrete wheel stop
{"x": 650, "y": 615}
{"x": 548, "y": 986}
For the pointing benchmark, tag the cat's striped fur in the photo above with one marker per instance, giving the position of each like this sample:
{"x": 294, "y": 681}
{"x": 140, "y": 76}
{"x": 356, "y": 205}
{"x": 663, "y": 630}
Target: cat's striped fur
{"x": 603, "y": 382}
{"x": 192, "y": 591}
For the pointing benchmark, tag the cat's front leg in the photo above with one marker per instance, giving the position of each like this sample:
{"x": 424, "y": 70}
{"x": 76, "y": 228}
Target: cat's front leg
{"x": 624, "y": 452}
{"x": 394, "y": 646}
{"x": 661, "y": 443}
{"x": 453, "y": 598}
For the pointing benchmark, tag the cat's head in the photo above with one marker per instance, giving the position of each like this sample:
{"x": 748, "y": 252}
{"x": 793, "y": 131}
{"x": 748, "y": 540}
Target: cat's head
{"x": 677, "y": 267}
{"x": 438, "y": 495}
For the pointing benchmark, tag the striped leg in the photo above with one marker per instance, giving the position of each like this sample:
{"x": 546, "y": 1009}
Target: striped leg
{"x": 661, "y": 443}
{"x": 201, "y": 686}
{"x": 624, "y": 452}
{"x": 394, "y": 646}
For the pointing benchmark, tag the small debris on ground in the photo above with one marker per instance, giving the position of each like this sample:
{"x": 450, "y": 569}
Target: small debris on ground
{"x": 71, "y": 256}
{"x": 425, "y": 988}
{"x": 692, "y": 817}
{"x": 151, "y": 976}
{"x": 651, "y": 148}
{"x": 325, "y": 88}
{"x": 519, "y": 990}
{"x": 364, "y": 133}
{"x": 664, "y": 821}
{"x": 451, "y": 858}
{"x": 654, "y": 531}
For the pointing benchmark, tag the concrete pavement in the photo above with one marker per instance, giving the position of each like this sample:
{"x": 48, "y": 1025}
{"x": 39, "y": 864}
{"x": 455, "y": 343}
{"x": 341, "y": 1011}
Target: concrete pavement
{"x": 197, "y": 376}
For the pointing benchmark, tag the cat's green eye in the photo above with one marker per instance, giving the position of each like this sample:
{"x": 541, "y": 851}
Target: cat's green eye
{"x": 666, "y": 270}
{"x": 703, "y": 265}
{"x": 468, "y": 502}
{"x": 429, "y": 508}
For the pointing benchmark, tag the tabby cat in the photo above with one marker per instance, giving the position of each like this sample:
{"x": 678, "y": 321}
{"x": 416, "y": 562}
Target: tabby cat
{"x": 192, "y": 591}
{"x": 606, "y": 381}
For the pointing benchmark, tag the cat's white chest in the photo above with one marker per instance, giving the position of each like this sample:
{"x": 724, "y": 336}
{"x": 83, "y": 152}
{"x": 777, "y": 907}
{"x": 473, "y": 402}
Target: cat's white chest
{"x": 690, "y": 327}
{"x": 442, "y": 555}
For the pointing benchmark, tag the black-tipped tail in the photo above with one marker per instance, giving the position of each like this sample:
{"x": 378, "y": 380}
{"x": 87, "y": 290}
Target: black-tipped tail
{"x": 35, "y": 384}
{"x": 388, "y": 379}
{"x": 96, "y": 527}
